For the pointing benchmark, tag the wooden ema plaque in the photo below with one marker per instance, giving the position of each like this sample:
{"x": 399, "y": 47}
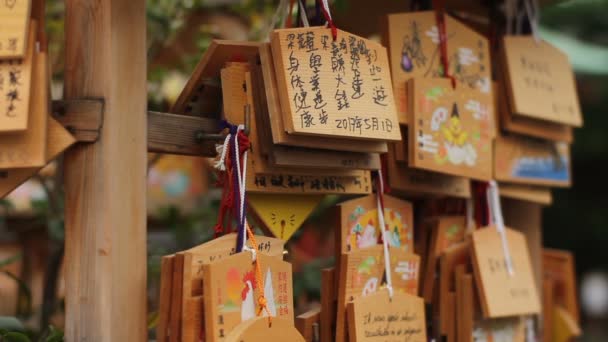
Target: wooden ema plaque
{"x": 27, "y": 149}
{"x": 17, "y": 80}
{"x": 289, "y": 156}
{"x": 332, "y": 88}
{"x": 361, "y": 274}
{"x": 261, "y": 177}
{"x": 58, "y": 140}
{"x": 282, "y": 215}
{"x": 403, "y": 179}
{"x": 528, "y": 193}
{"x": 558, "y": 266}
{"x": 233, "y": 292}
{"x": 14, "y": 16}
{"x": 502, "y": 294}
{"x": 531, "y": 161}
{"x": 454, "y": 257}
{"x": 540, "y": 81}
{"x": 528, "y": 126}
{"x": 359, "y": 226}
{"x": 414, "y": 52}
{"x": 181, "y": 303}
{"x": 380, "y": 318}
{"x": 258, "y": 329}
{"x": 446, "y": 232}
{"x": 451, "y": 129}
{"x": 272, "y": 118}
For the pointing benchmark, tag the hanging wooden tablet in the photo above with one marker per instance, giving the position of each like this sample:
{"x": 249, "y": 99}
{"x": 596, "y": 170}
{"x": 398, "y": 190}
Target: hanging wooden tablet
{"x": 502, "y": 294}
{"x": 540, "y": 81}
{"x": 446, "y": 231}
{"x": 380, "y": 318}
{"x": 186, "y": 286}
{"x": 19, "y": 77}
{"x": 558, "y": 265}
{"x": 261, "y": 177}
{"x": 527, "y": 160}
{"x": 525, "y": 125}
{"x": 451, "y": 129}
{"x": 58, "y": 140}
{"x": 258, "y": 330}
{"x": 307, "y": 158}
{"x": 283, "y": 214}
{"x": 359, "y": 227}
{"x": 338, "y": 88}
{"x": 503, "y": 329}
{"x": 528, "y": 193}
{"x": 272, "y": 118}
{"x": 465, "y": 307}
{"x": 14, "y": 16}
{"x": 361, "y": 273}
{"x": 453, "y": 257}
{"x": 417, "y": 182}
{"x": 414, "y": 52}
{"x": 328, "y": 303}
{"x": 233, "y": 292}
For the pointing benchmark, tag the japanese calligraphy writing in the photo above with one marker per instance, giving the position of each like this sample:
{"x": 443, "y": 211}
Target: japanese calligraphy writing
{"x": 334, "y": 87}
{"x": 14, "y": 19}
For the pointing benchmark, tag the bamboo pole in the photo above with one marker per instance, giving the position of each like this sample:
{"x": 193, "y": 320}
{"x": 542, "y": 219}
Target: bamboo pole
{"x": 105, "y": 182}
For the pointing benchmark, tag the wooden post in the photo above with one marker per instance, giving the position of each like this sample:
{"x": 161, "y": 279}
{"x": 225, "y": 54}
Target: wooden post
{"x": 105, "y": 182}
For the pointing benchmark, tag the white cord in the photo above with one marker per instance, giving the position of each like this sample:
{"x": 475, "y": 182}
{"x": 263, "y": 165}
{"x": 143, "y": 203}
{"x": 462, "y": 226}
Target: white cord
{"x": 303, "y": 16}
{"x": 470, "y": 221}
{"x": 532, "y": 11}
{"x": 498, "y": 221}
{"x": 326, "y": 6}
{"x": 241, "y": 180}
{"x": 381, "y": 223}
{"x": 220, "y": 164}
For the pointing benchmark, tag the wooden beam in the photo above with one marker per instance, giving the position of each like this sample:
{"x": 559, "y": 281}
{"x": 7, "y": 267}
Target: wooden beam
{"x": 167, "y": 133}
{"x": 105, "y": 182}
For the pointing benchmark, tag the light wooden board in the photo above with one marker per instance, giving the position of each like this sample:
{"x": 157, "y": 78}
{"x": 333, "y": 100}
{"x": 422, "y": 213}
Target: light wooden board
{"x": 283, "y": 215}
{"x": 58, "y": 140}
{"x": 381, "y": 318}
{"x": 412, "y": 40}
{"x": 558, "y": 265}
{"x": 526, "y": 125}
{"x": 259, "y": 329}
{"x": 535, "y": 194}
{"x": 20, "y": 79}
{"x": 359, "y": 227}
{"x": 525, "y": 160}
{"x": 28, "y": 148}
{"x": 14, "y": 16}
{"x": 406, "y": 180}
{"x": 540, "y": 80}
{"x": 337, "y": 89}
{"x": 271, "y": 113}
{"x": 502, "y": 294}
{"x": 288, "y": 156}
{"x": 361, "y": 273}
{"x": 198, "y": 90}
{"x": 232, "y": 293}
{"x": 451, "y": 129}
{"x": 453, "y": 257}
{"x": 446, "y": 231}
{"x": 262, "y": 177}
{"x": 188, "y": 281}
{"x": 548, "y": 305}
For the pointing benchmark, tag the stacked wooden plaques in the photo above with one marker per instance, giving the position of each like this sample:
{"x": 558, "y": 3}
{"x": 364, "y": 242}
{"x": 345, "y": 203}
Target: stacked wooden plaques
{"x": 28, "y": 136}
{"x": 538, "y": 112}
{"x": 210, "y": 293}
{"x": 448, "y": 128}
{"x": 322, "y": 110}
